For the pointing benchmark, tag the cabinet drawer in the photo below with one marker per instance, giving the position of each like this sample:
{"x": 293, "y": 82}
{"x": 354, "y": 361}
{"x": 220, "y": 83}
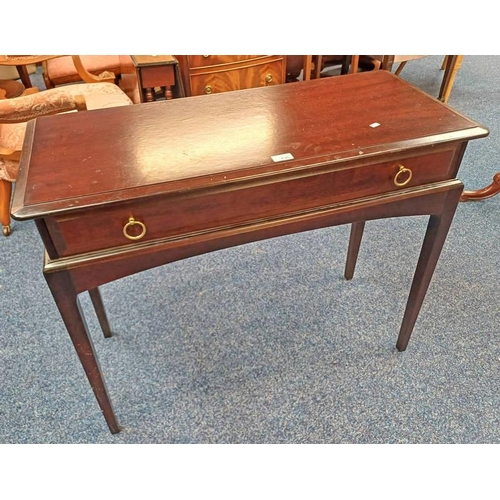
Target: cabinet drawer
{"x": 176, "y": 214}
{"x": 158, "y": 76}
{"x": 201, "y": 61}
{"x": 237, "y": 79}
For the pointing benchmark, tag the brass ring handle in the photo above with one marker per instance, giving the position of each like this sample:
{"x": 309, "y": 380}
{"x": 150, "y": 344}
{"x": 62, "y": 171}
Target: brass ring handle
{"x": 132, "y": 222}
{"x": 405, "y": 172}
{"x": 206, "y": 56}
{"x": 269, "y": 78}
{"x": 208, "y": 89}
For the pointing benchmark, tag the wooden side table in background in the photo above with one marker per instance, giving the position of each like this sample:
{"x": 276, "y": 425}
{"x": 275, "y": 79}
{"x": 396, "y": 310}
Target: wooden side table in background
{"x": 154, "y": 72}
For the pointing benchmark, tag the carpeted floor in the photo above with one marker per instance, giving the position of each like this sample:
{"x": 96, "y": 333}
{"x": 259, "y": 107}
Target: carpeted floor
{"x": 267, "y": 343}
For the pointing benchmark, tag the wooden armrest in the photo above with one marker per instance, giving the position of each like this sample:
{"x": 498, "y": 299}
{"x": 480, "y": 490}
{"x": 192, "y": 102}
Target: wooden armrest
{"x": 80, "y": 102}
{"x": 10, "y": 154}
{"x": 31, "y": 91}
{"x": 87, "y": 77}
{"x": 26, "y": 107}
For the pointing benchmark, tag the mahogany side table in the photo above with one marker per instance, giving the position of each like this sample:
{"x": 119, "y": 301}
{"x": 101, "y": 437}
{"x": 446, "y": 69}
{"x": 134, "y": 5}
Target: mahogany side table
{"x": 156, "y": 71}
{"x": 232, "y": 168}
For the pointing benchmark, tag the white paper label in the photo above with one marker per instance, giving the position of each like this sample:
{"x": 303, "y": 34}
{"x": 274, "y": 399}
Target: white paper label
{"x": 283, "y": 157}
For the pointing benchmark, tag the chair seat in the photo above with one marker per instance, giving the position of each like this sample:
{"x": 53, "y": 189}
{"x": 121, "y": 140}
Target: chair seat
{"x": 100, "y": 95}
{"x": 61, "y": 70}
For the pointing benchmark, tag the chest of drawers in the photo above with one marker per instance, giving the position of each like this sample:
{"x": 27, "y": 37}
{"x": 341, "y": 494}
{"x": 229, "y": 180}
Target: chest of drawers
{"x": 221, "y": 73}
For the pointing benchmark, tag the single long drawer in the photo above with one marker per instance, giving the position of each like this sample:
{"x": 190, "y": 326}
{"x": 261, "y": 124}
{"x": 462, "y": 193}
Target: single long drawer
{"x": 176, "y": 214}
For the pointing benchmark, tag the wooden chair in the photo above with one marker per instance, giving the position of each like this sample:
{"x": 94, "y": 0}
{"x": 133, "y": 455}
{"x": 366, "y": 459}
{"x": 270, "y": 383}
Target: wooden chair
{"x": 16, "y": 112}
{"x": 312, "y": 65}
{"x": 21, "y": 63}
{"x": 63, "y": 70}
{"x": 482, "y": 194}
{"x": 450, "y": 66}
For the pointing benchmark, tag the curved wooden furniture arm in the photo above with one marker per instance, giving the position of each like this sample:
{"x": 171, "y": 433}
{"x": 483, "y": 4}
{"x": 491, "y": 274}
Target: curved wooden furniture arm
{"x": 482, "y": 194}
{"x": 49, "y": 102}
{"x": 87, "y": 77}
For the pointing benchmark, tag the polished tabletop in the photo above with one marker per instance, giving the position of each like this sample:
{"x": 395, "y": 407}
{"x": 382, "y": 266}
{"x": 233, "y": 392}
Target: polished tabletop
{"x": 187, "y": 143}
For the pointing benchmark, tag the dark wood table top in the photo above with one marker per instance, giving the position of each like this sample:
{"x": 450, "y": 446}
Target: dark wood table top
{"x": 104, "y": 156}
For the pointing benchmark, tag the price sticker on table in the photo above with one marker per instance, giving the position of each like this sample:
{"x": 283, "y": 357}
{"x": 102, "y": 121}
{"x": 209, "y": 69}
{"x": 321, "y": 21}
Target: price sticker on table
{"x": 283, "y": 157}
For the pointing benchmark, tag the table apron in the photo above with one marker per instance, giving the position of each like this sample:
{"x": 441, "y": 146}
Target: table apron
{"x": 92, "y": 269}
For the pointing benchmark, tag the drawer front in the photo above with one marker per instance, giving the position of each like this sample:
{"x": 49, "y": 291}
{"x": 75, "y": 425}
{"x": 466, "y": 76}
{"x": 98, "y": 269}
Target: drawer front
{"x": 259, "y": 75}
{"x": 158, "y": 76}
{"x": 178, "y": 214}
{"x": 201, "y": 61}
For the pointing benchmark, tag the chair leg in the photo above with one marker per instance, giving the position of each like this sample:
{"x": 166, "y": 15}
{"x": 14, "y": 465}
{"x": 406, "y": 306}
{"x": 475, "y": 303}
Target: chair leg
{"x": 45, "y": 74}
{"x": 453, "y": 64}
{"x": 307, "y": 67}
{"x": 5, "y": 193}
{"x": 354, "y": 64}
{"x": 346, "y": 63}
{"x": 317, "y": 66}
{"x": 400, "y": 68}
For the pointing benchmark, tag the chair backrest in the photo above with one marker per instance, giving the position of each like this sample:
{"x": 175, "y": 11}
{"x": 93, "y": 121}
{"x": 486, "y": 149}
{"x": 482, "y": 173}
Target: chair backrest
{"x": 68, "y": 69}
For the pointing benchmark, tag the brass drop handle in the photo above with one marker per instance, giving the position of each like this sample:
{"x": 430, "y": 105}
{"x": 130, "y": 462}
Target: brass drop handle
{"x": 132, "y": 222}
{"x": 208, "y": 89}
{"x": 403, "y": 176}
{"x": 206, "y": 56}
{"x": 269, "y": 78}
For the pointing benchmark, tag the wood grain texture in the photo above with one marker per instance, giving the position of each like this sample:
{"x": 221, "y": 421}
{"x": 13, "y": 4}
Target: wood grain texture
{"x": 223, "y": 73}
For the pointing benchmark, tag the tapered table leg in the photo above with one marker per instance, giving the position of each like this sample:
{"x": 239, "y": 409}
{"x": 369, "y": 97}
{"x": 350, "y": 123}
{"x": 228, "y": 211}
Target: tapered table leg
{"x": 95, "y": 296}
{"x": 66, "y": 298}
{"x": 435, "y": 236}
{"x": 357, "y": 229}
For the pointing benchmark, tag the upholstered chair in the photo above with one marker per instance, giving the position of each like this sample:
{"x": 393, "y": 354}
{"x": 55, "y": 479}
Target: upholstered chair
{"x": 63, "y": 70}
{"x": 16, "y": 112}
